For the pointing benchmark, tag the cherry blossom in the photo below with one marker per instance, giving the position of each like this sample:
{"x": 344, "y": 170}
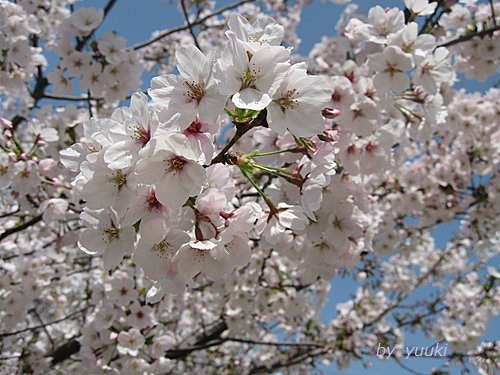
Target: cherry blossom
{"x": 173, "y": 169}
{"x": 199, "y": 221}
{"x": 192, "y": 93}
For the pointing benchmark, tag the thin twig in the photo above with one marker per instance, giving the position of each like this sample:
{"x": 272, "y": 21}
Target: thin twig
{"x": 14, "y": 333}
{"x": 20, "y": 227}
{"x": 492, "y": 8}
{"x": 10, "y": 213}
{"x": 44, "y": 326}
{"x": 89, "y": 104}
{"x": 185, "y": 27}
{"x": 70, "y": 98}
{"x": 241, "y": 129}
{"x": 408, "y": 291}
{"x": 467, "y": 37}
{"x": 190, "y": 26}
{"x": 275, "y": 343}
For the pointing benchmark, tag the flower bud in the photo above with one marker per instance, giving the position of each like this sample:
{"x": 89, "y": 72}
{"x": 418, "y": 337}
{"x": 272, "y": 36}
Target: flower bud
{"x": 330, "y": 113}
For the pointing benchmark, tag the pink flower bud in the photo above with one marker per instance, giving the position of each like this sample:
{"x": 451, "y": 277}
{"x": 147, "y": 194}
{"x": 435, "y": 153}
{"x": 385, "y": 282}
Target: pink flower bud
{"x": 6, "y": 123}
{"x": 330, "y": 113}
{"x": 46, "y": 166}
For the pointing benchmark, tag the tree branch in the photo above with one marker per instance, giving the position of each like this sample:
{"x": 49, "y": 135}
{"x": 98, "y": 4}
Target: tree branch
{"x": 467, "y": 37}
{"x": 70, "y": 98}
{"x": 275, "y": 343}
{"x": 241, "y": 129}
{"x": 185, "y": 27}
{"x": 20, "y": 227}
{"x": 189, "y": 25}
{"x": 204, "y": 341}
{"x": 14, "y": 333}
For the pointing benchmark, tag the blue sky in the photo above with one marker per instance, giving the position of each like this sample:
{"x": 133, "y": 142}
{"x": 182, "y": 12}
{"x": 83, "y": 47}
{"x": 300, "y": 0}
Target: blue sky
{"x": 135, "y": 20}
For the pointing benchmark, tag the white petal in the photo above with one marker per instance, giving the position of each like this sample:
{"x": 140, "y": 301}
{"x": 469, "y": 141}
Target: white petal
{"x": 251, "y": 99}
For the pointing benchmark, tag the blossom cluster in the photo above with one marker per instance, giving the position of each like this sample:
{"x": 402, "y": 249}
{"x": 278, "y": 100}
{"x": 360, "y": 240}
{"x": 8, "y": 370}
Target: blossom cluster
{"x": 215, "y": 207}
{"x": 152, "y": 165}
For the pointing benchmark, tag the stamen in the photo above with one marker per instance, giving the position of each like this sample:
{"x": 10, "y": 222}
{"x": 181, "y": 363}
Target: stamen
{"x": 175, "y": 164}
{"x": 139, "y": 134}
{"x": 195, "y": 91}
{"x": 288, "y": 101}
{"x": 118, "y": 179}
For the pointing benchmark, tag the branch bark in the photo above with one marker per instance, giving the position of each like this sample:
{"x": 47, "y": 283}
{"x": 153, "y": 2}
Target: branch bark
{"x": 464, "y": 38}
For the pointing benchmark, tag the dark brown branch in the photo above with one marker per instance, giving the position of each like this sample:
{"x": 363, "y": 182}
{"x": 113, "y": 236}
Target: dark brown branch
{"x": 493, "y": 16}
{"x": 189, "y": 25}
{"x": 33, "y": 328}
{"x": 70, "y": 98}
{"x": 467, "y": 37}
{"x": 206, "y": 340}
{"x": 44, "y": 326}
{"x": 275, "y": 343}
{"x": 185, "y": 27}
{"x": 20, "y": 227}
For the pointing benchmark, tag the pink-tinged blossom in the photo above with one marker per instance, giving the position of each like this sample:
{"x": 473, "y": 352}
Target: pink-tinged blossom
{"x": 263, "y": 30}
{"x": 54, "y": 209}
{"x": 85, "y": 20}
{"x": 104, "y": 235}
{"x": 215, "y": 260}
{"x": 105, "y": 187}
{"x": 297, "y": 103}
{"x": 26, "y": 177}
{"x": 381, "y": 23}
{"x": 201, "y": 139}
{"x": 95, "y": 132}
{"x": 219, "y": 179}
{"x": 130, "y": 342}
{"x": 173, "y": 169}
{"x": 421, "y": 7}
{"x": 411, "y": 42}
{"x": 156, "y": 259}
{"x": 192, "y": 93}
{"x": 434, "y": 70}
{"x": 251, "y": 77}
{"x": 390, "y": 67}
{"x": 154, "y": 217}
{"x": 6, "y": 171}
{"x": 133, "y": 128}
{"x": 273, "y": 227}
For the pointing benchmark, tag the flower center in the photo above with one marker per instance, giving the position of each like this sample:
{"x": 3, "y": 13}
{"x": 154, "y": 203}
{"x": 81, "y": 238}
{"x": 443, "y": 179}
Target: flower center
{"x": 195, "y": 91}
{"x": 288, "y": 101}
{"x": 140, "y": 134}
{"x": 118, "y": 179}
{"x": 175, "y": 164}
{"x": 250, "y": 76}
{"x": 152, "y": 203}
{"x": 392, "y": 69}
{"x": 194, "y": 128}
{"x": 112, "y": 233}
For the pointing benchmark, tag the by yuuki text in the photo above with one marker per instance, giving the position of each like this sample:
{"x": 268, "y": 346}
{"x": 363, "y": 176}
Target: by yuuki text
{"x": 412, "y": 351}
